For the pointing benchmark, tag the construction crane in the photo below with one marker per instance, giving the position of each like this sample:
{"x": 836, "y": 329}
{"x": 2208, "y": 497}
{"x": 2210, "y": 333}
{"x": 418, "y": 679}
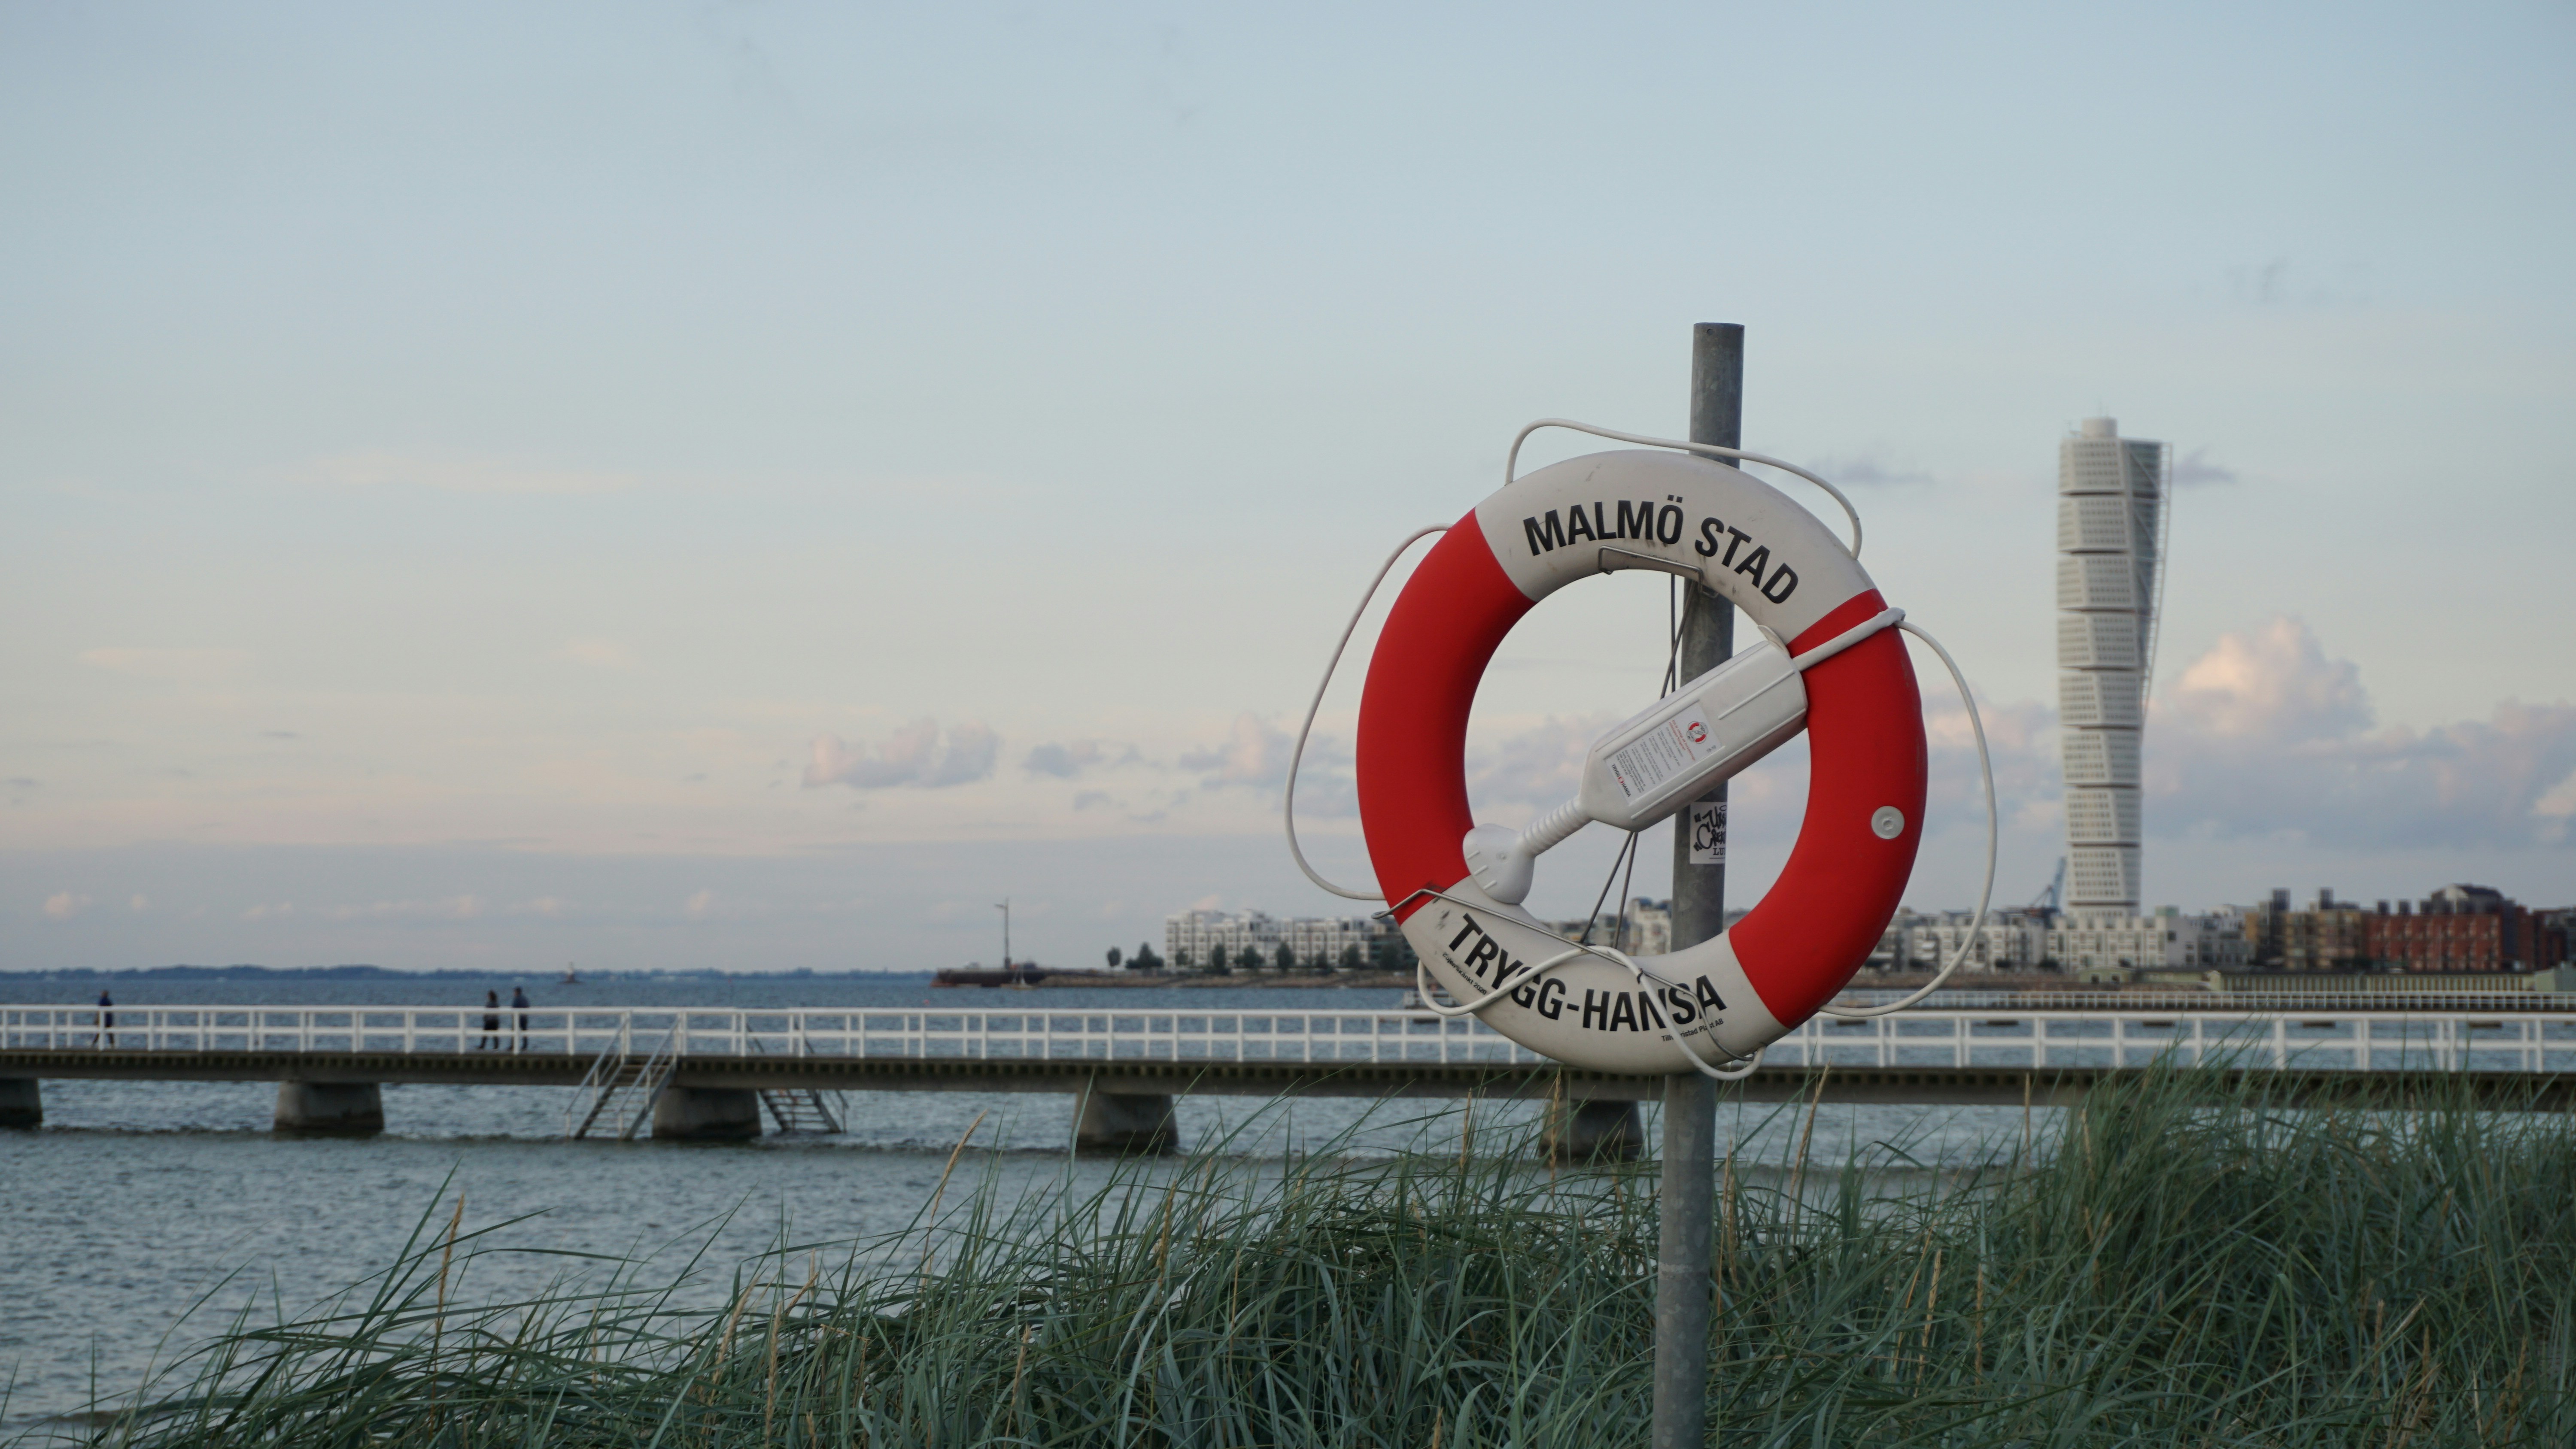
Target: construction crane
{"x": 2046, "y": 903}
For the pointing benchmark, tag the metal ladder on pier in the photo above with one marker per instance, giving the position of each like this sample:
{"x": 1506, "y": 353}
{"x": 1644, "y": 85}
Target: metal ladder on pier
{"x": 622, "y": 1089}
{"x": 800, "y": 1109}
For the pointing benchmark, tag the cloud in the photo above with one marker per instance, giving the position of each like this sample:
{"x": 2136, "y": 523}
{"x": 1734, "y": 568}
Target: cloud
{"x": 1256, "y": 756}
{"x": 2275, "y": 684}
{"x": 1868, "y": 470}
{"x": 2264, "y": 284}
{"x": 63, "y": 905}
{"x": 697, "y": 906}
{"x": 450, "y": 908}
{"x": 1062, "y": 761}
{"x": 2265, "y": 734}
{"x": 597, "y": 653}
{"x": 1539, "y": 766}
{"x": 920, "y": 753}
{"x": 457, "y": 475}
{"x": 1253, "y": 754}
{"x": 2559, "y": 803}
{"x": 165, "y": 663}
{"x": 1093, "y": 800}
{"x": 2194, "y": 469}
{"x": 2022, "y": 744}
{"x": 139, "y": 904}
{"x": 280, "y": 911}
{"x": 1067, "y": 761}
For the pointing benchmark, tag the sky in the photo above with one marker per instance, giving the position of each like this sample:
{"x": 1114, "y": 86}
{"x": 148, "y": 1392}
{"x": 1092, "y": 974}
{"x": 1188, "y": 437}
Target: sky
{"x": 753, "y": 486}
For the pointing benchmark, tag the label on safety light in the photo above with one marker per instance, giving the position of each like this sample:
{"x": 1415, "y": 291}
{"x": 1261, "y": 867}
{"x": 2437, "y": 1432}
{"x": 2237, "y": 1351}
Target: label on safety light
{"x": 1664, "y": 751}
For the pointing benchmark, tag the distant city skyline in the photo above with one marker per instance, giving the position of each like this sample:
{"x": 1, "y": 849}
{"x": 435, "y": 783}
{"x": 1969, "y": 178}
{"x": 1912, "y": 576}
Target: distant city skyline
{"x": 489, "y": 486}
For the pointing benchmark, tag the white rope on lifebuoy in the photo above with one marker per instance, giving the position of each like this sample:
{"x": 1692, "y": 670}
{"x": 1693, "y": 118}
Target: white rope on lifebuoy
{"x": 1297, "y": 757}
{"x": 1805, "y": 591}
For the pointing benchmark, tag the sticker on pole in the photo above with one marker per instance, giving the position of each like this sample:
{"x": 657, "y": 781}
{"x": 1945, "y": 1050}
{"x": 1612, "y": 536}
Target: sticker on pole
{"x": 1708, "y": 832}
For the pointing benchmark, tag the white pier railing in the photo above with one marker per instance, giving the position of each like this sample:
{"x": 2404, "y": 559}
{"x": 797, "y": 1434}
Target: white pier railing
{"x": 2338, "y": 1041}
{"x": 838, "y": 1032}
{"x": 1996, "y": 1036}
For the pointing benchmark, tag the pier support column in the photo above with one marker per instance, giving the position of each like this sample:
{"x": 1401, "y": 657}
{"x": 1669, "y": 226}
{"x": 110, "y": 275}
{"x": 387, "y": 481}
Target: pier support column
{"x": 22, "y": 1104}
{"x": 706, "y": 1114}
{"x": 330, "y": 1109}
{"x": 1122, "y": 1124}
{"x": 1594, "y": 1131}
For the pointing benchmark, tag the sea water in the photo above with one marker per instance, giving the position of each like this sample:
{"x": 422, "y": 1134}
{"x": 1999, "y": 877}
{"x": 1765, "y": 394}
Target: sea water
{"x": 144, "y": 1216}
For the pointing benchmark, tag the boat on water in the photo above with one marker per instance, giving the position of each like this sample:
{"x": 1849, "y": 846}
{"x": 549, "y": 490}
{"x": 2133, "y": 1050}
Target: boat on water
{"x": 570, "y": 977}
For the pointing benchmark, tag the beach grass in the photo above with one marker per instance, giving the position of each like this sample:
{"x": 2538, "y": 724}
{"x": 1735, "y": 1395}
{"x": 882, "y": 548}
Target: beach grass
{"x": 2182, "y": 1260}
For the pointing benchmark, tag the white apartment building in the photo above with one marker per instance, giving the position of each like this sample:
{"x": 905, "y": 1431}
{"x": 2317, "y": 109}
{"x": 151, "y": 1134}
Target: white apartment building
{"x": 1645, "y": 929}
{"x": 1917, "y": 941}
{"x": 2010, "y": 941}
{"x": 1249, "y": 938}
{"x": 1894, "y": 951}
{"x": 2166, "y": 941}
{"x": 2107, "y": 942}
{"x": 1324, "y": 938}
{"x": 2088, "y": 941}
{"x": 1191, "y": 938}
{"x": 2215, "y": 941}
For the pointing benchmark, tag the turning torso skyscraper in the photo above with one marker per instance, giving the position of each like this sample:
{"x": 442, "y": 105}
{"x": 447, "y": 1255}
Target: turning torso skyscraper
{"x": 2110, "y": 545}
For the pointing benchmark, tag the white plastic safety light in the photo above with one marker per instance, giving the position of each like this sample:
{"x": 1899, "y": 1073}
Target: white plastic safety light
{"x": 1456, "y": 888}
{"x": 1714, "y": 726}
{"x": 1678, "y": 749}
{"x": 1643, "y": 769}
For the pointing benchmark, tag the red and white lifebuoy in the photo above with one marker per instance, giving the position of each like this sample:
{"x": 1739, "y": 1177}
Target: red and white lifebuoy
{"x": 1802, "y": 942}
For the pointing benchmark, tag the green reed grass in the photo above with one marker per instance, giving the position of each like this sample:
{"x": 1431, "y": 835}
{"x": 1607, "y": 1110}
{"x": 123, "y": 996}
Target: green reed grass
{"x": 2179, "y": 1261}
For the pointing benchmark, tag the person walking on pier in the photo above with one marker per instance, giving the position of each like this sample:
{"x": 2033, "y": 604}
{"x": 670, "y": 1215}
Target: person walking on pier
{"x": 519, "y": 1004}
{"x": 106, "y": 1021}
{"x": 491, "y": 1041}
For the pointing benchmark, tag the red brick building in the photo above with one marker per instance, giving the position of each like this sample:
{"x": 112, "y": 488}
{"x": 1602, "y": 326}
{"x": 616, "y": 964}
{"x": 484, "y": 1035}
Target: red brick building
{"x": 2462, "y": 928}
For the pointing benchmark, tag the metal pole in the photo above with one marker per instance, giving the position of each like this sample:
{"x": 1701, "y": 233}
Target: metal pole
{"x": 1682, "y": 1284}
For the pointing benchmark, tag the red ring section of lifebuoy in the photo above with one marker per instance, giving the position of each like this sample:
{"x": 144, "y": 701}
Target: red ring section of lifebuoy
{"x": 1807, "y": 936}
